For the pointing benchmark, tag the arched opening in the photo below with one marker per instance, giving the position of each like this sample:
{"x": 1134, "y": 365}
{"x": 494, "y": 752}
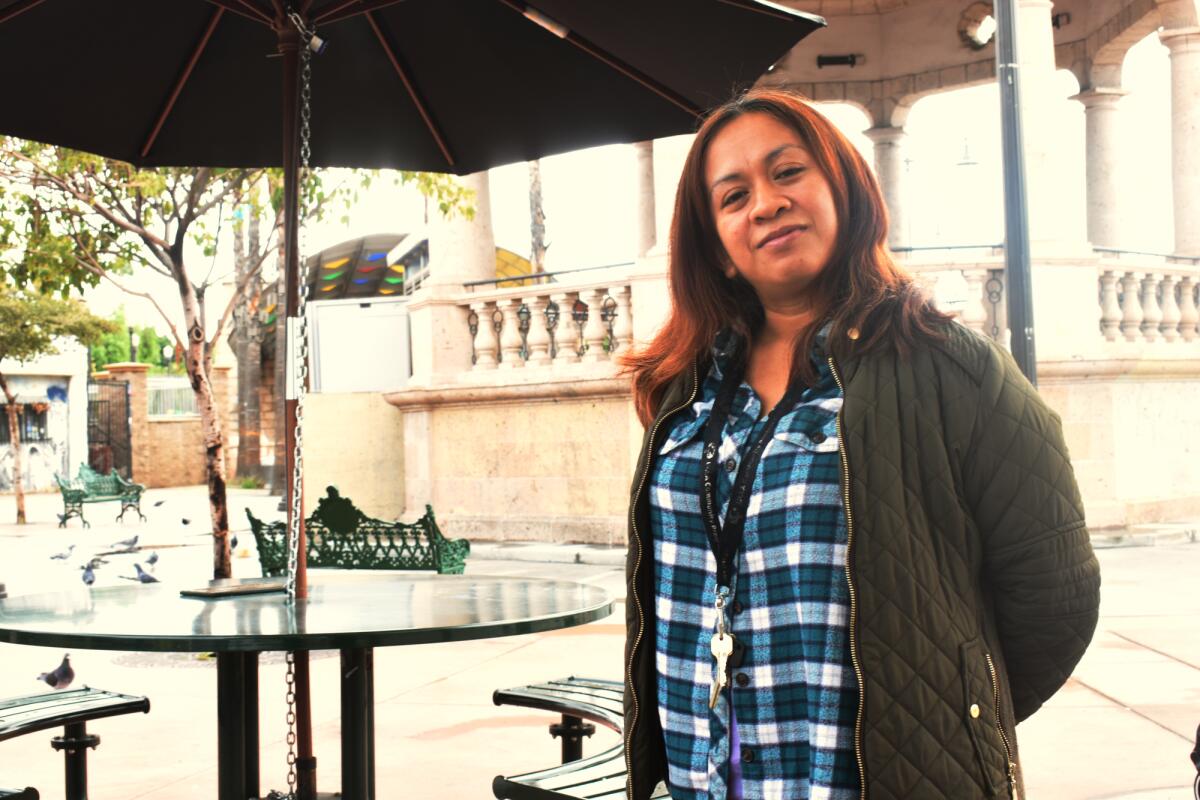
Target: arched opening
{"x": 851, "y": 120}
{"x": 954, "y": 167}
{"x": 1144, "y": 134}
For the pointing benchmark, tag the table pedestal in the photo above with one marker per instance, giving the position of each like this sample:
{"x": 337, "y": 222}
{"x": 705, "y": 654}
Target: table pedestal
{"x": 358, "y": 724}
{"x": 237, "y": 725}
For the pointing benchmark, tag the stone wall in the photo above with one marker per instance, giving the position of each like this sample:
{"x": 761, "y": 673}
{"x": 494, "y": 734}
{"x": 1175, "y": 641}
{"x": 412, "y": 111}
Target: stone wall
{"x": 355, "y": 442}
{"x": 1133, "y": 442}
{"x": 168, "y": 451}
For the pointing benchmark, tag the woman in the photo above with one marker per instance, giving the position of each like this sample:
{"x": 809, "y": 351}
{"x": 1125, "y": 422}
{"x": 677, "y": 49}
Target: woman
{"x": 857, "y": 552}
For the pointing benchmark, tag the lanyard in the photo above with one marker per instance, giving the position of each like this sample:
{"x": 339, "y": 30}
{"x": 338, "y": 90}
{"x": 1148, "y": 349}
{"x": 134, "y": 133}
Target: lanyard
{"x": 726, "y": 541}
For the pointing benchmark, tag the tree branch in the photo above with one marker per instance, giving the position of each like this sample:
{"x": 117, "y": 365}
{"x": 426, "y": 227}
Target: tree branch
{"x": 67, "y": 188}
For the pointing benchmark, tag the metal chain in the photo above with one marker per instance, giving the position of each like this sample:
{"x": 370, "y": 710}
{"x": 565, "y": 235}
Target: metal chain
{"x": 299, "y": 337}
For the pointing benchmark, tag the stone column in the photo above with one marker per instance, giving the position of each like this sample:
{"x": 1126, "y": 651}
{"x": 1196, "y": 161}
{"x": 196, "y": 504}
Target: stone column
{"x": 140, "y": 445}
{"x": 1103, "y": 161}
{"x": 460, "y": 251}
{"x": 647, "y": 231}
{"x": 889, "y": 167}
{"x": 1184, "y": 44}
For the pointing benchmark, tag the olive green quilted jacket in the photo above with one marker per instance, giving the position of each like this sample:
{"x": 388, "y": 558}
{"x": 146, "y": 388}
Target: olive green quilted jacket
{"x": 974, "y": 588}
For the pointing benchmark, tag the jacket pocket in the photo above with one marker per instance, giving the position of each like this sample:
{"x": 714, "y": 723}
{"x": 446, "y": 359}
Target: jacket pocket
{"x": 989, "y": 740}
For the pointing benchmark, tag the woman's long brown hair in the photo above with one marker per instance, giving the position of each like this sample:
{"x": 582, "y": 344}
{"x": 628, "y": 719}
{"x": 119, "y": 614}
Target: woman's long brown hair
{"x": 860, "y": 289}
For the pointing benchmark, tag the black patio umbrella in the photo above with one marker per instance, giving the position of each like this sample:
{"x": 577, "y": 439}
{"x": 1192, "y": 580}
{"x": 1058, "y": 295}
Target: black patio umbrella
{"x": 437, "y": 85}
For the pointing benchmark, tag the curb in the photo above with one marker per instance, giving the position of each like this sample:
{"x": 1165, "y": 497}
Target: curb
{"x": 589, "y": 554}
{"x": 1150, "y": 535}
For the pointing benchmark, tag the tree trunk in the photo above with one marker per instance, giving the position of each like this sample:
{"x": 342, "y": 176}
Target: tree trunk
{"x": 249, "y": 355}
{"x": 537, "y": 219}
{"x": 279, "y": 476}
{"x": 14, "y": 438}
{"x": 198, "y": 362}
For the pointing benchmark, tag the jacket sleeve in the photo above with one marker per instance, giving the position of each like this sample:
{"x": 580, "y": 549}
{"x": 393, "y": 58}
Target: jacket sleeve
{"x": 1037, "y": 555}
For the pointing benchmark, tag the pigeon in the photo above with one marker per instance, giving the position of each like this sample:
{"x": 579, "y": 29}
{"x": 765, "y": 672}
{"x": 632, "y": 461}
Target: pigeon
{"x": 186, "y": 521}
{"x": 158, "y": 503}
{"x": 233, "y": 542}
{"x": 61, "y": 677}
{"x": 153, "y": 559}
{"x": 128, "y": 544}
{"x": 96, "y": 562}
{"x": 63, "y": 556}
{"x": 89, "y": 577}
{"x": 143, "y": 576}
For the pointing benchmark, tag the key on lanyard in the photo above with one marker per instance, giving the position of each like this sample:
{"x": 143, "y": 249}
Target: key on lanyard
{"x": 722, "y": 647}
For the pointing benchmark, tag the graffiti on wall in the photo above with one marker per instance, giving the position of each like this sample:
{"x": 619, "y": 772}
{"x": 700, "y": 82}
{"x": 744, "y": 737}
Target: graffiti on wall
{"x": 41, "y": 458}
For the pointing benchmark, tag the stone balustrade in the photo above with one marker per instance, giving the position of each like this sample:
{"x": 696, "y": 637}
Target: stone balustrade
{"x": 550, "y": 325}
{"x": 1149, "y": 304}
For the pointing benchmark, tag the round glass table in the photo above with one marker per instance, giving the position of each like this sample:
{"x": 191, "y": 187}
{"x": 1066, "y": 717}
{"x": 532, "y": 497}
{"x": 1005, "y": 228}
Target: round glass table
{"x": 353, "y": 612}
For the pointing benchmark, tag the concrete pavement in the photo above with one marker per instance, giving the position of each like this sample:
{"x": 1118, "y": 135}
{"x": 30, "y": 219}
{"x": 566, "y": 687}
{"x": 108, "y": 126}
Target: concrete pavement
{"x": 1121, "y": 728}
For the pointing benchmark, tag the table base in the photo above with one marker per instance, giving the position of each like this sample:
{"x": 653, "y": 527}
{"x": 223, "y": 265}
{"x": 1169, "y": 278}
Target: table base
{"x": 238, "y": 735}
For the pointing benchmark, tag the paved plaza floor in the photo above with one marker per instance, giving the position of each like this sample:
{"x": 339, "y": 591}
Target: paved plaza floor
{"x": 1121, "y": 728}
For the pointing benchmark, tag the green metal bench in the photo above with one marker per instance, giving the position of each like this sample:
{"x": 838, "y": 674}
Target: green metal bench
{"x": 90, "y": 486}
{"x": 72, "y": 709}
{"x": 576, "y": 699}
{"x": 343, "y": 537}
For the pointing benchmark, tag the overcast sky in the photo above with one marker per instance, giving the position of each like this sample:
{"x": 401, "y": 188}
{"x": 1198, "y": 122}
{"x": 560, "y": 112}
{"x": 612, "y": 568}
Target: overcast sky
{"x": 954, "y": 189}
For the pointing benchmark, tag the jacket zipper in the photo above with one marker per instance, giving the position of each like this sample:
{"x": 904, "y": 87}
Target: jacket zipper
{"x": 1011, "y": 765}
{"x": 637, "y": 564}
{"x": 858, "y": 756}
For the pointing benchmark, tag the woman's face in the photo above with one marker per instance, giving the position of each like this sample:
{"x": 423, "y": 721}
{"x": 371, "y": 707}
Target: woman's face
{"x": 772, "y": 205}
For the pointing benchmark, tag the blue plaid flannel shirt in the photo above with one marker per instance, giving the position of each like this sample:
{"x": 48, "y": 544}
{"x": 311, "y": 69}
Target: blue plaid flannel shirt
{"x": 795, "y": 695}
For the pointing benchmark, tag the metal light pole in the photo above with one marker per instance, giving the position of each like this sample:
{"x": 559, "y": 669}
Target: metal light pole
{"x": 1016, "y": 209}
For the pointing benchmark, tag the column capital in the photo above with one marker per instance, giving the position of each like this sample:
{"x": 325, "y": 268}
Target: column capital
{"x": 1181, "y": 39}
{"x": 1099, "y": 96}
{"x": 885, "y": 134}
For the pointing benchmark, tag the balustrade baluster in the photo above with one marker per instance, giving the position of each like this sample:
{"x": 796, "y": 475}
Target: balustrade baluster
{"x": 538, "y": 340}
{"x": 1189, "y": 316}
{"x": 1131, "y": 307}
{"x": 1151, "y": 311}
{"x": 1110, "y": 309}
{"x": 974, "y": 314}
{"x": 510, "y": 337}
{"x": 1170, "y": 309}
{"x": 623, "y": 324}
{"x": 566, "y": 332}
{"x": 486, "y": 343}
{"x": 594, "y": 329}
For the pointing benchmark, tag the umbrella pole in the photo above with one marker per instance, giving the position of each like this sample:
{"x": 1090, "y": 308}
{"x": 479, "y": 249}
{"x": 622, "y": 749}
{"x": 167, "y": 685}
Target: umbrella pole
{"x": 1016, "y": 211}
{"x": 289, "y": 48}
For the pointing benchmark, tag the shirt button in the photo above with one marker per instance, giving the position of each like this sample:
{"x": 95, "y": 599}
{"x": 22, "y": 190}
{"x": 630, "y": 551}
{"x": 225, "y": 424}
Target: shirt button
{"x": 738, "y": 607}
{"x": 742, "y": 679}
{"x": 747, "y": 755}
{"x": 730, "y": 465}
{"x": 818, "y": 437}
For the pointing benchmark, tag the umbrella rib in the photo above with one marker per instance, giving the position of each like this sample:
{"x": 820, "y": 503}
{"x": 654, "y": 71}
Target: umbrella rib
{"x": 244, "y": 9}
{"x": 18, "y": 9}
{"x": 342, "y": 10}
{"x": 430, "y": 124}
{"x": 182, "y": 81}
{"x": 768, "y": 9}
{"x": 605, "y": 57}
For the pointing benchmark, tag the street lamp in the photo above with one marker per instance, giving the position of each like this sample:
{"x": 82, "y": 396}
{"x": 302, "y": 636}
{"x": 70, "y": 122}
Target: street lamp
{"x": 132, "y": 346}
{"x": 168, "y": 354}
